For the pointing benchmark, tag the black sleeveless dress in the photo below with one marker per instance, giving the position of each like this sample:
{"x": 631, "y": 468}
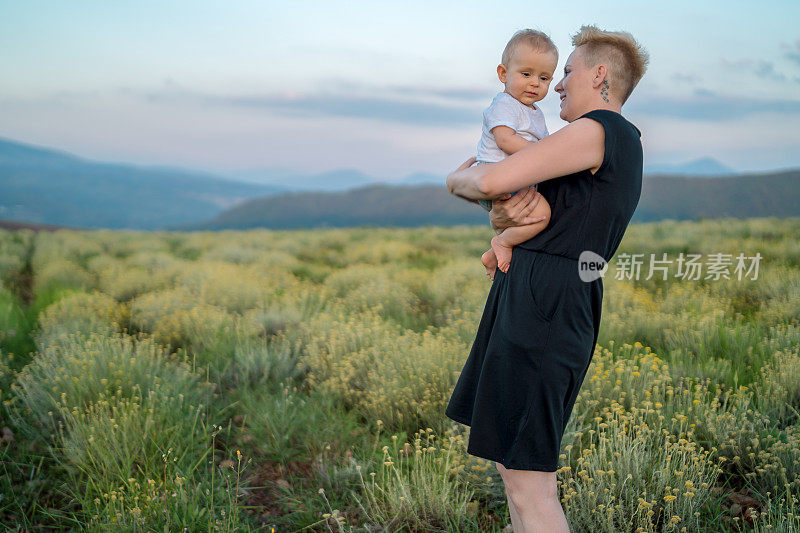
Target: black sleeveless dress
{"x": 539, "y": 327}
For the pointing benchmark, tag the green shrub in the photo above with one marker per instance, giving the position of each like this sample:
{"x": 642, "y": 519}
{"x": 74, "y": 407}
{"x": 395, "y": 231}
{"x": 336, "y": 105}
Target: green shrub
{"x": 79, "y": 313}
{"x": 80, "y": 371}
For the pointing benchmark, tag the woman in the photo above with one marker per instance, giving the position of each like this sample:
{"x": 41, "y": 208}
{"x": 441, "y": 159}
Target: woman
{"x": 539, "y": 327}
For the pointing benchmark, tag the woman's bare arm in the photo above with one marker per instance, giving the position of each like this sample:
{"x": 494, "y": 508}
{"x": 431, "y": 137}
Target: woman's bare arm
{"x": 577, "y": 146}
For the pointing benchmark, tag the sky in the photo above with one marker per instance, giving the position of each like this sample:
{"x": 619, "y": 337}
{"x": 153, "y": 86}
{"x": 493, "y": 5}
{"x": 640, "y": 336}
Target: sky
{"x": 385, "y": 88}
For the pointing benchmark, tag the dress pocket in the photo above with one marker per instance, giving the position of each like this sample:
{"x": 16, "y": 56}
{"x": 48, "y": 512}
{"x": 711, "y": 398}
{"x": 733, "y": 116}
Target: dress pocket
{"x": 546, "y": 284}
{"x": 524, "y": 333}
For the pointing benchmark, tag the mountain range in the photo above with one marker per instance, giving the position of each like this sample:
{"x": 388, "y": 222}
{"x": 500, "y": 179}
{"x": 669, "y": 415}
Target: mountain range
{"x": 49, "y": 187}
{"x": 344, "y": 179}
{"x": 705, "y": 166}
{"x": 755, "y": 195}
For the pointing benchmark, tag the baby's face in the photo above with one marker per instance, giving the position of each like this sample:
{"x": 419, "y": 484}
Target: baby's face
{"x": 528, "y": 75}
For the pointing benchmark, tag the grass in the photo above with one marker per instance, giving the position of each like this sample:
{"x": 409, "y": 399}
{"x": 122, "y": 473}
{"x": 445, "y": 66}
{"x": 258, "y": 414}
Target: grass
{"x": 296, "y": 381}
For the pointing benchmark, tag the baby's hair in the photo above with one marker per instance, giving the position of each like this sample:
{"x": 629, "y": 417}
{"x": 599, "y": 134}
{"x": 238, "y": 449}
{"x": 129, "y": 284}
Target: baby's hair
{"x": 625, "y": 58}
{"x": 536, "y": 39}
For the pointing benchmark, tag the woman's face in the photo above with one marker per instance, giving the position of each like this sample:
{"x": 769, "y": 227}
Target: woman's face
{"x": 575, "y": 88}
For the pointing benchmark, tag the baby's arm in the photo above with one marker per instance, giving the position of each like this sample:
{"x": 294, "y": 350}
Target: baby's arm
{"x": 508, "y": 140}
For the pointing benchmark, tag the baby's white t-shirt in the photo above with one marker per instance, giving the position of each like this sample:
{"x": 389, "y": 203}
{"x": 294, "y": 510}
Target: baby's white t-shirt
{"x": 505, "y": 110}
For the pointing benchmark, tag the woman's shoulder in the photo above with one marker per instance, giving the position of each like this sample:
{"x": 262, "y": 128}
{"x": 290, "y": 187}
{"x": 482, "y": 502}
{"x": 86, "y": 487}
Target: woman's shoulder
{"x": 612, "y": 120}
{"x": 622, "y": 144}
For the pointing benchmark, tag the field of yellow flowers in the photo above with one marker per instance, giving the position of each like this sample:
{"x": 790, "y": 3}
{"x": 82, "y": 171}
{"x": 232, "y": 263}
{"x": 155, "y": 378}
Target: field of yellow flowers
{"x": 296, "y": 381}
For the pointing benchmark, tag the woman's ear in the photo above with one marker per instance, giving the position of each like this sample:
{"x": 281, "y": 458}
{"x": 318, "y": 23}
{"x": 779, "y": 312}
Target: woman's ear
{"x": 600, "y": 74}
{"x": 501, "y": 72}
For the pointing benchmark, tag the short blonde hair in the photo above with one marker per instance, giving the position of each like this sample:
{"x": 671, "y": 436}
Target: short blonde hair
{"x": 536, "y": 39}
{"x": 625, "y": 58}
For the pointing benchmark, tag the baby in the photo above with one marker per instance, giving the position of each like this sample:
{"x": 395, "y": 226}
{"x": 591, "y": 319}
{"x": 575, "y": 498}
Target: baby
{"x": 511, "y": 122}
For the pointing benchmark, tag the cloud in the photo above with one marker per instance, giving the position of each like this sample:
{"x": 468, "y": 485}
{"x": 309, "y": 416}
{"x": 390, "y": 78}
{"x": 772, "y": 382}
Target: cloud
{"x": 709, "y": 106}
{"x": 686, "y": 77}
{"x": 224, "y": 136}
{"x": 793, "y": 54}
{"x": 702, "y": 105}
{"x": 767, "y": 70}
{"x": 737, "y": 64}
{"x": 424, "y": 106}
{"x": 467, "y": 94}
{"x": 390, "y": 108}
{"x": 760, "y": 67}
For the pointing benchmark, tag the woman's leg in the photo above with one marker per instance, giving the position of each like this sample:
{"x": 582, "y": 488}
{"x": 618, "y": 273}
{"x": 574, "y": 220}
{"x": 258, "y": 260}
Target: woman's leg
{"x": 534, "y": 496}
{"x": 516, "y": 521}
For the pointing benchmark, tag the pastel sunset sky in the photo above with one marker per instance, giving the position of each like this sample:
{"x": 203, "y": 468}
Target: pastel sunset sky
{"x": 386, "y": 88}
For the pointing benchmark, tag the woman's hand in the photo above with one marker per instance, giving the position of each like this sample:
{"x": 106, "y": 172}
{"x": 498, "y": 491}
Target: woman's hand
{"x": 515, "y": 210}
{"x": 466, "y": 164}
{"x": 452, "y": 180}
{"x": 467, "y": 181}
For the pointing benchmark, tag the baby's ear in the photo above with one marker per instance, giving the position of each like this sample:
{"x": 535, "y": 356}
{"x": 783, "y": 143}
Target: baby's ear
{"x": 501, "y": 72}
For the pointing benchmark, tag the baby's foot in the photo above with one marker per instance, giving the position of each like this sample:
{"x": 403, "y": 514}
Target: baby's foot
{"x": 490, "y": 262}
{"x": 502, "y": 252}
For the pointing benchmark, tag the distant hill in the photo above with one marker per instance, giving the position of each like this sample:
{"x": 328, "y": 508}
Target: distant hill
{"x": 705, "y": 166}
{"x": 291, "y": 180}
{"x": 374, "y": 205}
{"x": 13, "y": 225}
{"x": 754, "y": 195}
{"x": 774, "y": 194}
{"x": 423, "y": 178}
{"x": 332, "y": 180}
{"x": 347, "y": 179}
{"x": 44, "y": 186}
{"x": 41, "y": 187}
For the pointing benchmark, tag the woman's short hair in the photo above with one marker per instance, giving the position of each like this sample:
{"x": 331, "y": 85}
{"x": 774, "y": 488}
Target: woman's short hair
{"x": 625, "y": 58}
{"x": 536, "y": 39}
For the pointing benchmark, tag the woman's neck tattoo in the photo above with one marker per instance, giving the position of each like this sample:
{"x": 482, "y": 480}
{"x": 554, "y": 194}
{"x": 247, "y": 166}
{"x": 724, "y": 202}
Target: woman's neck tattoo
{"x": 604, "y": 91}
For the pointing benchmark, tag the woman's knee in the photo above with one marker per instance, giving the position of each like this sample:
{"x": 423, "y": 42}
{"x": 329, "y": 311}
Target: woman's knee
{"x": 529, "y": 503}
{"x": 530, "y": 488}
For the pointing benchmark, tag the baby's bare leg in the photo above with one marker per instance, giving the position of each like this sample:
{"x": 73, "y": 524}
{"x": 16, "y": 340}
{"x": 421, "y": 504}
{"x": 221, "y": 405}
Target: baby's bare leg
{"x": 489, "y": 260}
{"x": 504, "y": 242}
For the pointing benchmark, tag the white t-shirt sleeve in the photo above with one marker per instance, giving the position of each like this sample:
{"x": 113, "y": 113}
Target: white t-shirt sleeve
{"x": 502, "y": 112}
